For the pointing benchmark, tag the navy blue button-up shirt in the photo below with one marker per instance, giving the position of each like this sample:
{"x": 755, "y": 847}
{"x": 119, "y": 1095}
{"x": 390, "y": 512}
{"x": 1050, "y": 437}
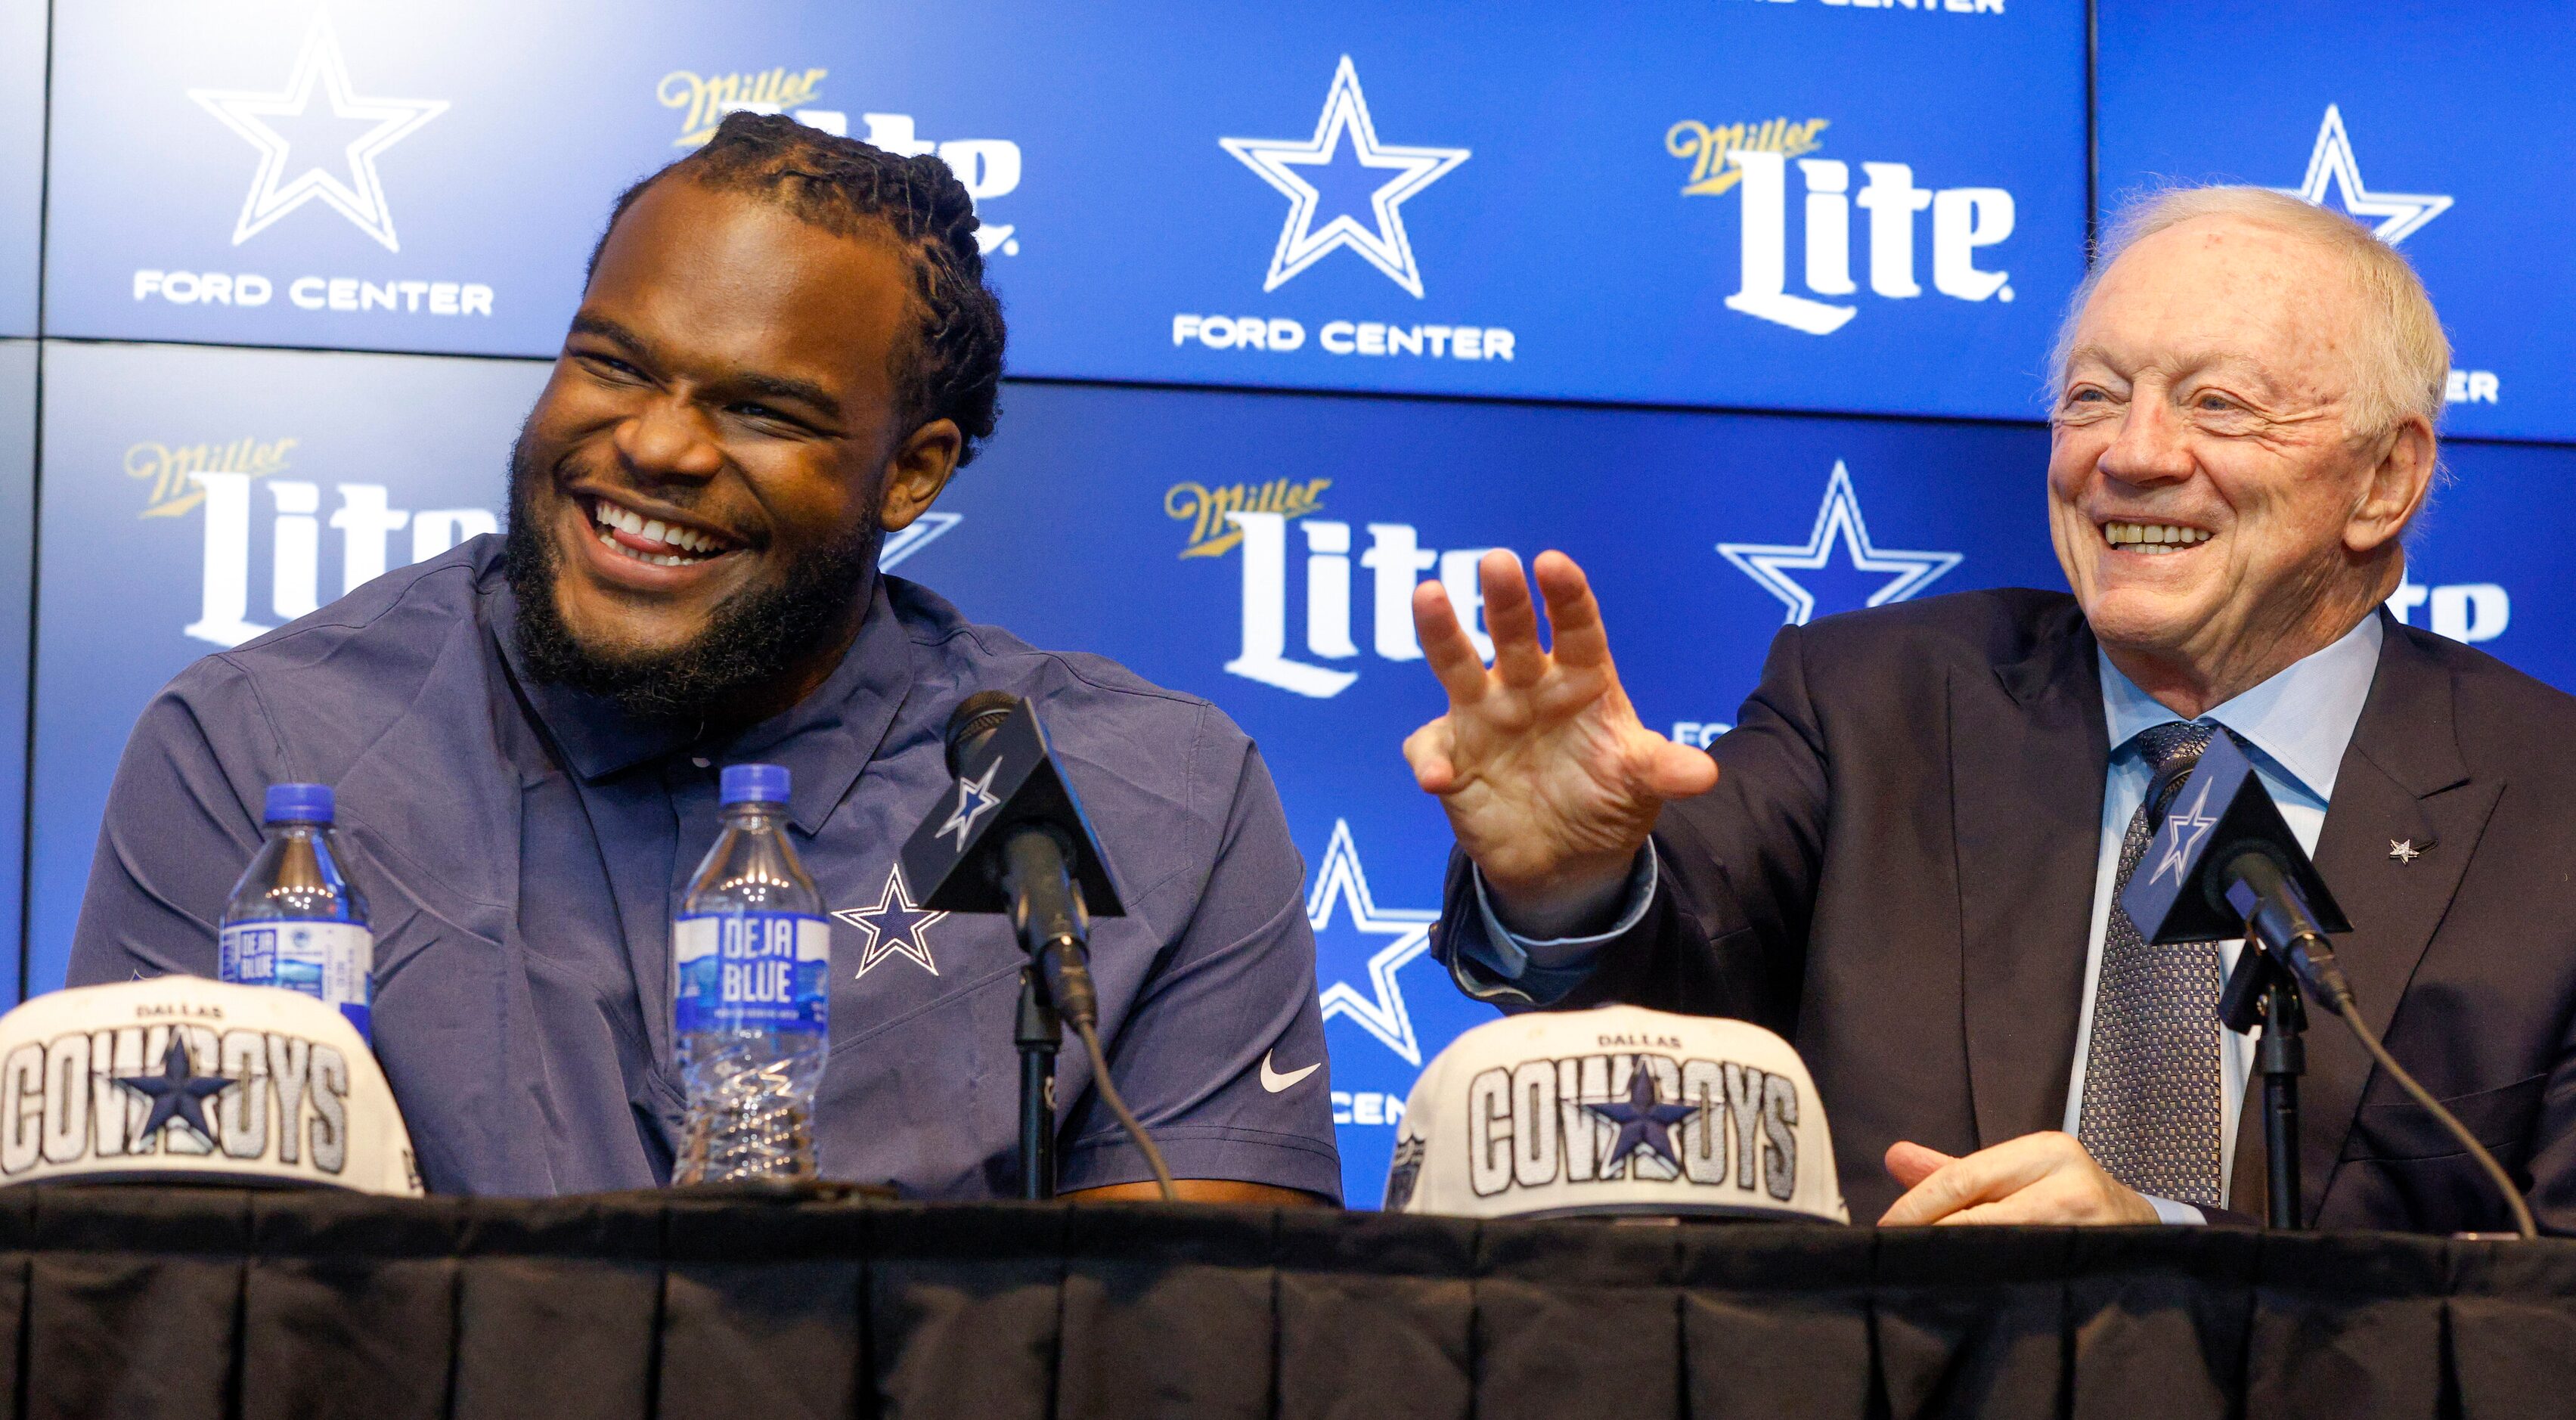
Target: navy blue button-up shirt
{"x": 523, "y": 847}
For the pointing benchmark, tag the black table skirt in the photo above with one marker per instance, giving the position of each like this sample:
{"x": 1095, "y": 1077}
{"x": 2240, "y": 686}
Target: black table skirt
{"x": 207, "y": 1303}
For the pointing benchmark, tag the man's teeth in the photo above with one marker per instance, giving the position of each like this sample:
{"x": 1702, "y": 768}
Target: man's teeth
{"x": 609, "y": 516}
{"x": 2152, "y": 537}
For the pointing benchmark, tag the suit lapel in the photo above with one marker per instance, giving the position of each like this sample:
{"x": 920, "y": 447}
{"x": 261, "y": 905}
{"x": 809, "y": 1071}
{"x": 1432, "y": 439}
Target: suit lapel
{"x": 2028, "y": 751}
{"x": 2401, "y": 781}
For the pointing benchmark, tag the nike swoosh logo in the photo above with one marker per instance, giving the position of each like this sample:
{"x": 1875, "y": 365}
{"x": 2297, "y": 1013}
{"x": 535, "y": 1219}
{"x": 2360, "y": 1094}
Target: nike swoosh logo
{"x": 1274, "y": 1082}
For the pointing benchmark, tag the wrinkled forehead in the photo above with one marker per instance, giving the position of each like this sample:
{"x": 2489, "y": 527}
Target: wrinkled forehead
{"x": 2222, "y": 294}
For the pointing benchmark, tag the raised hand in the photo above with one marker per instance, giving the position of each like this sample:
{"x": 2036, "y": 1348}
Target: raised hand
{"x": 1550, "y": 781}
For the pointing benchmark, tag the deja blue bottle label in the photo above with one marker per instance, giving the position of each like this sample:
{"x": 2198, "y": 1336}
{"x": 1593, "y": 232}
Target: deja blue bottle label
{"x": 768, "y": 971}
{"x": 328, "y": 961}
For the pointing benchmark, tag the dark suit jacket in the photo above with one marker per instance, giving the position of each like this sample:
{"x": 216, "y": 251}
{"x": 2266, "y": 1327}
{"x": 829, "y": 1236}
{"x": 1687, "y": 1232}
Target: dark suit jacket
{"x": 1896, "y": 872}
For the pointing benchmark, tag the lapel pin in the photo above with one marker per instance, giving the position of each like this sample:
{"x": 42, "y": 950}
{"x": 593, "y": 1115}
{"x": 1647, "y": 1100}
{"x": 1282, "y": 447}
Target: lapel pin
{"x": 2404, "y": 850}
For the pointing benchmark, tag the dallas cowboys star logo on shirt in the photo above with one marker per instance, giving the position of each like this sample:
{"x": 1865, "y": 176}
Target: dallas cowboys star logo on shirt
{"x": 178, "y": 1092}
{"x": 895, "y": 927}
{"x": 974, "y": 800}
{"x": 360, "y": 197}
{"x": 1382, "y": 240}
{"x": 1645, "y": 1122}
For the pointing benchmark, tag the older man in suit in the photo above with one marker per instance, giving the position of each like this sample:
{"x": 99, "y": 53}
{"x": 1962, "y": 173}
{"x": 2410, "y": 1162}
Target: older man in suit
{"x": 1907, "y": 855}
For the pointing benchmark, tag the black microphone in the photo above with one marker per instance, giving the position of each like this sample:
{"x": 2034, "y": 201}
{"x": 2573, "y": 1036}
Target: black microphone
{"x": 2222, "y": 834}
{"x": 972, "y": 725}
{"x": 1012, "y": 839}
{"x": 1046, "y": 904}
{"x": 2221, "y": 863}
{"x": 2259, "y": 889}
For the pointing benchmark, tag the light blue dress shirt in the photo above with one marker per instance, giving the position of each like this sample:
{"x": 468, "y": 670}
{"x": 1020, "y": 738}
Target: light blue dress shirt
{"x": 2295, "y": 726}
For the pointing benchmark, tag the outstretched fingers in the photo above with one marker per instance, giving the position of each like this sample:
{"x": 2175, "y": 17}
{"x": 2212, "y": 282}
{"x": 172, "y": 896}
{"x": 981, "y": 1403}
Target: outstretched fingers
{"x": 1511, "y": 619}
{"x": 1572, "y": 614}
{"x": 1445, "y": 645}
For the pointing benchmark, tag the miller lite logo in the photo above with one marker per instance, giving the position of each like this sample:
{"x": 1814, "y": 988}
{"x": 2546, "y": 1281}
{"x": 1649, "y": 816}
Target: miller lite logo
{"x": 986, "y": 167}
{"x": 228, "y": 482}
{"x": 1754, "y": 160}
{"x": 1255, "y": 523}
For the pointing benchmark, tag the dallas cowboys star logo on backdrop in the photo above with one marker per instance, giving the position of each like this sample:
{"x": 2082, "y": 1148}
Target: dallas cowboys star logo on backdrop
{"x": 2331, "y": 164}
{"x": 1645, "y": 1122}
{"x": 1383, "y": 243}
{"x": 360, "y": 197}
{"x": 178, "y": 1092}
{"x": 1838, "y": 519}
{"x": 918, "y": 534}
{"x": 974, "y": 800}
{"x": 895, "y": 927}
{"x": 1381, "y": 1012}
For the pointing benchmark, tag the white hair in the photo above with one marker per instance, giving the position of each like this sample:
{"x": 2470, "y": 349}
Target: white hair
{"x": 2404, "y": 359}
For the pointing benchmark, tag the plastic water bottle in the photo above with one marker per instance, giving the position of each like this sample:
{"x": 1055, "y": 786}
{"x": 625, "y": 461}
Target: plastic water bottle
{"x": 753, "y": 954}
{"x": 295, "y": 920}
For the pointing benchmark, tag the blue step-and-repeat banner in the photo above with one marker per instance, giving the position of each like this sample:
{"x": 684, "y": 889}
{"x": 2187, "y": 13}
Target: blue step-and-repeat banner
{"x": 1742, "y": 302}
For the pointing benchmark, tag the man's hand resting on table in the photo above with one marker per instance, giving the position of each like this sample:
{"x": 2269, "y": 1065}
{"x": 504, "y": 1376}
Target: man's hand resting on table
{"x": 2038, "y": 1178}
{"x": 1550, "y": 781}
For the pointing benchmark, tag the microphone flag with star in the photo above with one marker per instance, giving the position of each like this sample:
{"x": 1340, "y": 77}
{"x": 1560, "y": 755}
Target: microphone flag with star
{"x": 1009, "y": 780}
{"x": 2222, "y": 811}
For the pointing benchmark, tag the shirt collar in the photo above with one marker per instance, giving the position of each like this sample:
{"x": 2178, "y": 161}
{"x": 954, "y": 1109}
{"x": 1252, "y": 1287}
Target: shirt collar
{"x": 2302, "y": 718}
{"x": 825, "y": 741}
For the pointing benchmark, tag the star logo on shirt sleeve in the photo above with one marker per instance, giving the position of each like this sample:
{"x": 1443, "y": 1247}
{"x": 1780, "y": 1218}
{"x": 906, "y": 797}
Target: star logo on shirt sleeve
{"x": 895, "y": 927}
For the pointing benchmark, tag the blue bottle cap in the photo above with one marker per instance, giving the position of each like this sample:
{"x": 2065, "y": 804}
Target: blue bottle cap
{"x": 753, "y": 784}
{"x": 299, "y": 803}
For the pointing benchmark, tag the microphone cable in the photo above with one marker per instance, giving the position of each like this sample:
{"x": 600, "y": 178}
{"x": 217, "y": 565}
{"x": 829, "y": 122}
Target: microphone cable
{"x": 1056, "y": 934}
{"x": 1109, "y": 1095}
{"x": 2337, "y": 993}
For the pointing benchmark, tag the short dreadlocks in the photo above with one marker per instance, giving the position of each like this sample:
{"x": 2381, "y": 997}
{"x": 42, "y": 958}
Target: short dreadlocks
{"x": 953, "y": 369}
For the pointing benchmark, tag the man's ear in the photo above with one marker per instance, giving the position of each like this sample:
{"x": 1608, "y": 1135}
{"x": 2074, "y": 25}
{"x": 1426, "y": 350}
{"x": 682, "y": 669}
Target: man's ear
{"x": 2396, "y": 486}
{"x": 920, "y": 468}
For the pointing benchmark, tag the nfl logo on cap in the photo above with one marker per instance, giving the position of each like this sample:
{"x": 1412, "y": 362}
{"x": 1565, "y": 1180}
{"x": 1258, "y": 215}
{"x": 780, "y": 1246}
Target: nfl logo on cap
{"x": 180, "y": 1079}
{"x": 1616, "y": 1111}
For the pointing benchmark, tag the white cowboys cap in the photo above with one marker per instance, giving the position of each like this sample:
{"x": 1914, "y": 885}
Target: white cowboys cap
{"x": 183, "y": 1079}
{"x": 1619, "y": 1110}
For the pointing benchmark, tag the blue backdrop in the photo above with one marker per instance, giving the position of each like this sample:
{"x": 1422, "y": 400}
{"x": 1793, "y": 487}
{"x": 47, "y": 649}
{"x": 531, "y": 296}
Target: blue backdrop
{"x": 1322, "y": 195}
{"x": 2445, "y": 127}
{"x": 1402, "y": 283}
{"x": 22, "y": 159}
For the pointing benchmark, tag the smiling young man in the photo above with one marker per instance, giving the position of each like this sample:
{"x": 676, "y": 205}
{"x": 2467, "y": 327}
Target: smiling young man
{"x": 1906, "y": 855}
{"x": 784, "y": 351}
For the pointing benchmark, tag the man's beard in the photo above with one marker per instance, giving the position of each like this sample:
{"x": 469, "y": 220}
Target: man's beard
{"x": 752, "y": 640}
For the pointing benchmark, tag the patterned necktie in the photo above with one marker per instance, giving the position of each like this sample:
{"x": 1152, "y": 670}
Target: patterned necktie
{"x": 2151, "y": 1081}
